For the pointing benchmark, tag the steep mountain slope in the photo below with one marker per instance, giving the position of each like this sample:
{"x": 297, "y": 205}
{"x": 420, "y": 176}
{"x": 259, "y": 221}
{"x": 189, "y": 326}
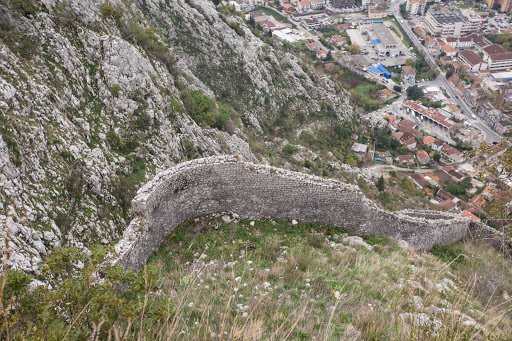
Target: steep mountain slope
{"x": 95, "y": 97}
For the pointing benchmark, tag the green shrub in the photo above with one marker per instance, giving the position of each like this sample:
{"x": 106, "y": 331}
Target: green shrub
{"x": 146, "y": 38}
{"x": 25, "y": 7}
{"x": 115, "y": 90}
{"x": 203, "y": 110}
{"x": 59, "y": 8}
{"x": 236, "y": 26}
{"x": 289, "y": 150}
{"x": 107, "y": 10}
{"x": 451, "y": 253}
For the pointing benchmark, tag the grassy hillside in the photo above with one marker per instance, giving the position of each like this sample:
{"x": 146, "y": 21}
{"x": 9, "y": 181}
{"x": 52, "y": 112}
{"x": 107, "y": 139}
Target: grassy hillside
{"x": 269, "y": 280}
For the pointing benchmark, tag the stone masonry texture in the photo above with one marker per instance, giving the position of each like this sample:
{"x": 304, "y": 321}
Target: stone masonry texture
{"x": 224, "y": 184}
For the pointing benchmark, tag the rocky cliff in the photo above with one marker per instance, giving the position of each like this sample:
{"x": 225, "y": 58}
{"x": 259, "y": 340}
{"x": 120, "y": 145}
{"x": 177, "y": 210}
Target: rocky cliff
{"x": 97, "y": 96}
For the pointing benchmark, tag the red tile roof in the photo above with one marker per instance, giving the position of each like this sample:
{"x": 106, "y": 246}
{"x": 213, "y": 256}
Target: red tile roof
{"x": 431, "y": 113}
{"x": 447, "y": 205}
{"x": 428, "y": 140}
{"x": 419, "y": 179}
{"x": 445, "y": 195}
{"x": 470, "y": 215}
{"x": 477, "y": 200}
{"x": 403, "y": 158}
{"x": 471, "y": 57}
{"x": 421, "y": 154}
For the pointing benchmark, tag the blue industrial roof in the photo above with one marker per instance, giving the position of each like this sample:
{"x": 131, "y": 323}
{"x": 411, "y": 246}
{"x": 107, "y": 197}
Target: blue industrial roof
{"x": 382, "y": 69}
{"x": 376, "y": 41}
{"x": 375, "y": 70}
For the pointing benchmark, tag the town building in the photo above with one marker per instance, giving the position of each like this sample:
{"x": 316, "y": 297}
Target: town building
{"x": 303, "y": 6}
{"x": 408, "y": 72}
{"x": 497, "y": 57}
{"x": 422, "y": 157}
{"x": 317, "y": 4}
{"x": 504, "y": 6}
{"x": 406, "y": 159}
{"x": 472, "y": 59}
{"x": 419, "y": 180}
{"x": 416, "y": 6}
{"x": 429, "y": 114}
{"x": 452, "y": 22}
{"x": 359, "y": 149}
{"x": 321, "y": 54}
{"x": 312, "y": 46}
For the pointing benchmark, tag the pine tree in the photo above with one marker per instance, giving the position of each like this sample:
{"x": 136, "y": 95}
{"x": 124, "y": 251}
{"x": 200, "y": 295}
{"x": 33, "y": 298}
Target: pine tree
{"x": 381, "y": 185}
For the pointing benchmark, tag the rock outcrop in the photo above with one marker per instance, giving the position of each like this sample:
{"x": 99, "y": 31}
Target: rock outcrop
{"x": 91, "y": 106}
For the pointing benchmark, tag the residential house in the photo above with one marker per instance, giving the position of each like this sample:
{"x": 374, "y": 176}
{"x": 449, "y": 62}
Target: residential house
{"x": 448, "y": 205}
{"x": 406, "y": 159}
{"x": 268, "y": 26}
{"x": 454, "y": 79}
{"x": 408, "y": 72}
{"x": 337, "y": 40}
{"x": 321, "y": 54}
{"x": 385, "y": 94}
{"x": 428, "y": 140}
{"x": 487, "y": 192}
{"x": 422, "y": 157}
{"x": 330, "y": 67}
{"x": 304, "y": 6}
{"x": 393, "y": 122}
{"x": 397, "y": 136}
{"x": 406, "y": 125}
{"x": 311, "y": 23}
{"x": 453, "y": 109}
{"x": 437, "y": 145}
{"x": 478, "y": 200}
{"x": 409, "y": 140}
{"x": 442, "y": 195}
{"x": 359, "y": 149}
{"x": 313, "y": 46}
{"x": 468, "y": 214}
{"x": 419, "y": 180}
{"x": 447, "y": 49}
{"x": 317, "y": 4}
{"x": 453, "y": 154}
{"x": 456, "y": 176}
{"x": 288, "y": 8}
{"x": 446, "y": 60}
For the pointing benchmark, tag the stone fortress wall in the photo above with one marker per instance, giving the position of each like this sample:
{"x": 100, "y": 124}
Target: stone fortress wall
{"x": 224, "y": 184}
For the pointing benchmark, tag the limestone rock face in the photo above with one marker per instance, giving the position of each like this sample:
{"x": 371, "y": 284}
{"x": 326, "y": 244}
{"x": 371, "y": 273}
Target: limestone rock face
{"x": 91, "y": 107}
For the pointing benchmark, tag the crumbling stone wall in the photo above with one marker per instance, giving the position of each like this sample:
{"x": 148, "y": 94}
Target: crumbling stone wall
{"x": 224, "y": 184}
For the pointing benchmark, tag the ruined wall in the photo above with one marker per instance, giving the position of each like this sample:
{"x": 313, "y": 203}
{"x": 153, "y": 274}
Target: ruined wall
{"x": 226, "y": 185}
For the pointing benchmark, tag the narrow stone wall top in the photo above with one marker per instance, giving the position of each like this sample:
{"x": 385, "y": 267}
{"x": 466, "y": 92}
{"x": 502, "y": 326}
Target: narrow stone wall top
{"x": 225, "y": 184}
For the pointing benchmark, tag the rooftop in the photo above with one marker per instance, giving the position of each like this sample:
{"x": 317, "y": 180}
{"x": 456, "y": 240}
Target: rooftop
{"x": 431, "y": 113}
{"x": 471, "y": 57}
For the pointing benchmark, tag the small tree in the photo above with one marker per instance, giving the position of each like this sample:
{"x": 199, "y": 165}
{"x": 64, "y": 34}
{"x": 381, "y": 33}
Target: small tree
{"x": 381, "y": 184}
{"x": 353, "y": 48}
{"x": 397, "y": 88}
{"x": 437, "y": 157}
{"x": 414, "y": 92}
{"x": 216, "y": 2}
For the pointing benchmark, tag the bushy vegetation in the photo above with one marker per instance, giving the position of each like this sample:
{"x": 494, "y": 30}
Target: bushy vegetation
{"x": 504, "y": 40}
{"x": 203, "y": 109}
{"x": 267, "y": 280}
{"x": 238, "y": 29}
{"x": 25, "y": 7}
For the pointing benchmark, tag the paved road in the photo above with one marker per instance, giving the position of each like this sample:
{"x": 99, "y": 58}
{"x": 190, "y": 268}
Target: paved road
{"x": 490, "y": 135}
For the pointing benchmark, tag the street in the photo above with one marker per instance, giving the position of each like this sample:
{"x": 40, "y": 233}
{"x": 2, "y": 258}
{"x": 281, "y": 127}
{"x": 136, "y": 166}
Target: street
{"x": 490, "y": 135}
